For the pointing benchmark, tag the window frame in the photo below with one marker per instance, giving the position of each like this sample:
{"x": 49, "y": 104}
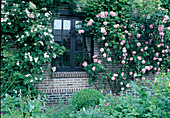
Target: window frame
{"x": 65, "y": 15}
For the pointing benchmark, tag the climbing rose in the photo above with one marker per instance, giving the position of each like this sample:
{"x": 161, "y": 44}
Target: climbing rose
{"x": 143, "y": 78}
{"x": 84, "y": 64}
{"x": 106, "y": 44}
{"x": 127, "y": 85}
{"x": 138, "y": 35}
{"x": 123, "y": 62}
{"x": 112, "y": 13}
{"x": 109, "y": 59}
{"x": 151, "y": 26}
{"x": 101, "y": 49}
{"x": 104, "y": 55}
{"x": 139, "y": 44}
{"x": 105, "y": 23}
{"x": 93, "y": 69}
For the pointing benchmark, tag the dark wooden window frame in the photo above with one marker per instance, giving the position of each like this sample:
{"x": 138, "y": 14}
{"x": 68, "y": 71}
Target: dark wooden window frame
{"x": 65, "y": 15}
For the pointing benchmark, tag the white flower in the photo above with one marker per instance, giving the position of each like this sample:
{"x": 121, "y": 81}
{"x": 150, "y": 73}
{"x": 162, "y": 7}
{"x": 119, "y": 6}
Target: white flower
{"x": 9, "y": 23}
{"x": 27, "y": 33}
{"x": 115, "y": 75}
{"x": 54, "y": 56}
{"x": 32, "y": 5}
{"x": 17, "y": 63}
{"x": 25, "y": 44}
{"x": 27, "y": 75}
{"x": 35, "y": 29}
{"x": 45, "y": 33}
{"x": 41, "y": 43}
{"x": 36, "y": 78}
{"x": 47, "y": 14}
{"x": 22, "y": 36}
{"x": 26, "y": 10}
{"x": 46, "y": 55}
{"x": 53, "y": 69}
{"x": 36, "y": 59}
{"x": 40, "y": 78}
{"x": 44, "y": 9}
{"x": 51, "y": 36}
{"x": 30, "y": 58}
{"x": 51, "y": 42}
{"x": 121, "y": 83}
{"x": 84, "y": 109}
{"x": 38, "y": 14}
{"x": 31, "y": 80}
{"x": 50, "y": 30}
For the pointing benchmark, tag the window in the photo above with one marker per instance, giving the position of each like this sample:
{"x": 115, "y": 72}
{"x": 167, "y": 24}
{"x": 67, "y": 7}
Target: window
{"x": 78, "y": 46}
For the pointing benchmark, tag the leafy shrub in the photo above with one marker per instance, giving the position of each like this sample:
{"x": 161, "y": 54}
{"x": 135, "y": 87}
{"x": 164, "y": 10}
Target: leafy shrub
{"x": 86, "y": 98}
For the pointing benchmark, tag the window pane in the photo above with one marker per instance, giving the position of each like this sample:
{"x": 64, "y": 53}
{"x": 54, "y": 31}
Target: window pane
{"x": 87, "y": 57}
{"x": 78, "y": 24}
{"x": 66, "y": 59}
{"x": 66, "y": 27}
{"x": 87, "y": 44}
{"x": 57, "y": 38}
{"x": 66, "y": 42}
{"x": 78, "y": 59}
{"x": 57, "y": 27}
{"x": 57, "y": 62}
{"x": 79, "y": 43}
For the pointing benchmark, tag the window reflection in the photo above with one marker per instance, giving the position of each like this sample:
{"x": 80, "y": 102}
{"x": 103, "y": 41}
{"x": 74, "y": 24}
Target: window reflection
{"x": 79, "y": 43}
{"x": 66, "y": 42}
{"x": 78, "y": 24}
{"x": 66, "y": 59}
{"x": 87, "y": 44}
{"x": 57, "y": 24}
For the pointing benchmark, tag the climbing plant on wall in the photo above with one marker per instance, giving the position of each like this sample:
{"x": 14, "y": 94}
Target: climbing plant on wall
{"x": 26, "y": 44}
{"x": 132, "y": 34}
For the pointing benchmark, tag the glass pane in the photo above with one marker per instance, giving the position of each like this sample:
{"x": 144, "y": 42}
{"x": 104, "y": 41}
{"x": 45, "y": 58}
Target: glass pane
{"x": 78, "y": 59}
{"x": 79, "y": 43}
{"x": 87, "y": 44}
{"x": 66, "y": 42}
{"x": 57, "y": 62}
{"x": 66, "y": 27}
{"x": 57, "y": 38}
{"x": 87, "y": 57}
{"x": 87, "y": 33}
{"x": 78, "y": 24}
{"x": 57, "y": 27}
{"x": 66, "y": 59}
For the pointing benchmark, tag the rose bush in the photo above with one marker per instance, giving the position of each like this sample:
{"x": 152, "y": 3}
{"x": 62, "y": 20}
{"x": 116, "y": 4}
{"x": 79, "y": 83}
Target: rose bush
{"x": 131, "y": 34}
{"x": 27, "y": 44}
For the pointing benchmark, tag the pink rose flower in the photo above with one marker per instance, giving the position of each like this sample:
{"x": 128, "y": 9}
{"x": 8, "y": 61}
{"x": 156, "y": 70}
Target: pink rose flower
{"x": 127, "y": 85}
{"x": 157, "y": 54}
{"x": 139, "y": 58}
{"x": 103, "y": 38}
{"x": 123, "y": 62}
{"x": 113, "y": 78}
{"x": 161, "y": 34}
{"x": 146, "y": 42}
{"x": 103, "y": 30}
{"x": 105, "y": 23}
{"x": 93, "y": 69}
{"x": 121, "y": 83}
{"x": 116, "y": 26}
{"x": 122, "y": 74}
{"x": 134, "y": 52}
{"x": 95, "y": 56}
{"x": 126, "y": 31}
{"x": 138, "y": 35}
{"x": 143, "y": 78}
{"x": 97, "y": 16}
{"x": 141, "y": 50}
{"x": 95, "y": 60}
{"x": 146, "y": 47}
{"x": 84, "y": 64}
{"x": 143, "y": 70}
{"x": 107, "y": 104}
{"x": 131, "y": 58}
{"x": 109, "y": 59}
{"x": 99, "y": 62}
{"x": 135, "y": 12}
{"x": 115, "y": 75}
{"x": 101, "y": 49}
{"x": 106, "y": 13}
{"x": 139, "y": 44}
{"x": 130, "y": 73}
{"x": 122, "y": 89}
{"x": 160, "y": 59}
{"x": 106, "y": 44}
{"x": 81, "y": 31}
{"x": 131, "y": 25}
{"x": 161, "y": 28}
{"x": 151, "y": 26}
{"x": 112, "y": 13}
{"x": 104, "y": 55}
{"x": 142, "y": 26}
{"x": 143, "y": 61}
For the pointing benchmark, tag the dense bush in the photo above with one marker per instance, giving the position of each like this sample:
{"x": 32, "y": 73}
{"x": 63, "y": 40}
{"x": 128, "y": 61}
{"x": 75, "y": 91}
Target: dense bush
{"x": 86, "y": 98}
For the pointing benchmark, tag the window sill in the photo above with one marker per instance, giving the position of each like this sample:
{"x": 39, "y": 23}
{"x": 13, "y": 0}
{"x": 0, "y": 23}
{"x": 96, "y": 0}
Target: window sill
{"x": 81, "y": 74}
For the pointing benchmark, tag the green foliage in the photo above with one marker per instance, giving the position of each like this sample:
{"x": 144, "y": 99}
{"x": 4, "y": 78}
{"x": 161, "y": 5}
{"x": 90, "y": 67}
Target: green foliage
{"x": 131, "y": 34}
{"x": 27, "y": 44}
{"x": 86, "y": 98}
{"x": 138, "y": 101}
{"x": 17, "y": 107}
